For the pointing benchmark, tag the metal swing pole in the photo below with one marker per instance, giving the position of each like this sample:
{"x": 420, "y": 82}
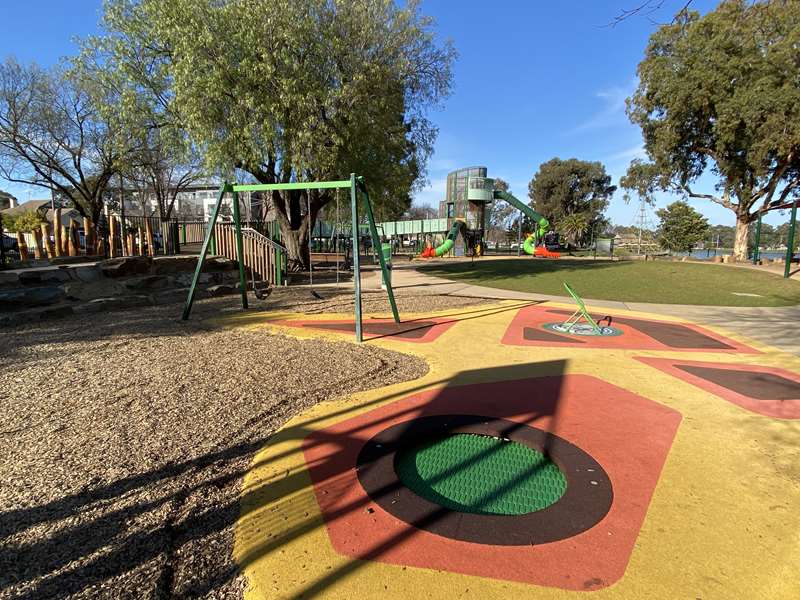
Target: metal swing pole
{"x": 356, "y": 257}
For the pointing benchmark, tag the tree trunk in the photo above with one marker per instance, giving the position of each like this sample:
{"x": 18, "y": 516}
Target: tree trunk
{"x": 740, "y": 241}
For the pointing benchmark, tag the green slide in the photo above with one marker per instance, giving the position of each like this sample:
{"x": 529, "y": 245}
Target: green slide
{"x": 450, "y": 240}
{"x": 542, "y": 224}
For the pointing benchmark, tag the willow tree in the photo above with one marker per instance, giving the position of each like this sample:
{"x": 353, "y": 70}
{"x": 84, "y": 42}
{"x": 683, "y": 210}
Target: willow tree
{"x": 719, "y": 95}
{"x": 299, "y": 90}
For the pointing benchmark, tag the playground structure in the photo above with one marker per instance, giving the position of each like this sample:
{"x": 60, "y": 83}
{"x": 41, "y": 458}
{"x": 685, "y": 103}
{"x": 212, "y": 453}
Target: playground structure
{"x": 358, "y": 191}
{"x": 469, "y": 191}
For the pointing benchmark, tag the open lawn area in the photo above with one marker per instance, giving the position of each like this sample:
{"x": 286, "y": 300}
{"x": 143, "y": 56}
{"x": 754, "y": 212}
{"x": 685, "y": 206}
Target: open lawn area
{"x": 628, "y": 281}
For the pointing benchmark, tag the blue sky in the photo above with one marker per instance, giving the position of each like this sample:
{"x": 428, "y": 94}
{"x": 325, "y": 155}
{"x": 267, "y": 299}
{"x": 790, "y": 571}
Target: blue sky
{"x": 533, "y": 80}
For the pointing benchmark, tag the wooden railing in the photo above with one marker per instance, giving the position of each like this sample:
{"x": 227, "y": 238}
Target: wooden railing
{"x": 264, "y": 259}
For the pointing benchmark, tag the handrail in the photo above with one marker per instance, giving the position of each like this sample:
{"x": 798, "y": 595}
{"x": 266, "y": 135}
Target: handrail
{"x": 263, "y": 238}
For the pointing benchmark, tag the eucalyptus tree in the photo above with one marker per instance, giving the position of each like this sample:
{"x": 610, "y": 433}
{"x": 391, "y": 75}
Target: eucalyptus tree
{"x": 298, "y": 90}
{"x": 719, "y": 95}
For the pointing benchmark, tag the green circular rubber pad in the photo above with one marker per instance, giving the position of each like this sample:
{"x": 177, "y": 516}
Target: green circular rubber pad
{"x": 480, "y": 474}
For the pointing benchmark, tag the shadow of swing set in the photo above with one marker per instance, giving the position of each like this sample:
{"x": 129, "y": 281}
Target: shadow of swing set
{"x": 358, "y": 192}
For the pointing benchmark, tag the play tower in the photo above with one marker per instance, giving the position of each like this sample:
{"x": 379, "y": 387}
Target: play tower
{"x": 468, "y": 192}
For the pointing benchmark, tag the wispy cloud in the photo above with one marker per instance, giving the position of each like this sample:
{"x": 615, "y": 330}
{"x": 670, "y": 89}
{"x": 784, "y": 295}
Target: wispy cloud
{"x": 637, "y": 151}
{"x": 611, "y": 112}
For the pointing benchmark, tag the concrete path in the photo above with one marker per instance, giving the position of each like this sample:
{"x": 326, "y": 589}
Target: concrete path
{"x": 777, "y": 326}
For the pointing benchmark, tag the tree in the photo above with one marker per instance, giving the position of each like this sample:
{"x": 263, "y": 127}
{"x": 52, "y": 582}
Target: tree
{"x": 680, "y": 227}
{"x": 574, "y": 226}
{"x": 572, "y": 186}
{"x": 289, "y": 95}
{"x": 720, "y": 94}
{"x": 25, "y": 222}
{"x": 498, "y": 214}
{"x": 51, "y": 136}
{"x": 132, "y": 85}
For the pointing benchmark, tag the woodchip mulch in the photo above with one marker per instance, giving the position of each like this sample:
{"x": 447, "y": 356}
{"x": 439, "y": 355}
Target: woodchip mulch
{"x": 124, "y": 437}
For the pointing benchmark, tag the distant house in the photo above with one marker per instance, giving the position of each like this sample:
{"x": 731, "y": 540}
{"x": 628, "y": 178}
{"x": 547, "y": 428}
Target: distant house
{"x": 43, "y": 208}
{"x": 7, "y": 200}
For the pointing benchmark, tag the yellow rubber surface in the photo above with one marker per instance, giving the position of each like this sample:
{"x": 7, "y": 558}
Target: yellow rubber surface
{"x": 723, "y": 521}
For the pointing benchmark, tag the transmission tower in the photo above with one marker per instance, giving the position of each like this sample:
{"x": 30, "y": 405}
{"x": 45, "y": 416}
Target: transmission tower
{"x": 643, "y": 222}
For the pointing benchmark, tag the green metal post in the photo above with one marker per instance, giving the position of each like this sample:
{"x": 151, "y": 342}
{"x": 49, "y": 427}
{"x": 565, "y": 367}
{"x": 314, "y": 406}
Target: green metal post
{"x": 237, "y": 222}
{"x": 213, "y": 243}
{"x": 187, "y": 308}
{"x": 758, "y": 239}
{"x": 356, "y": 258}
{"x": 790, "y": 242}
{"x": 183, "y": 233}
{"x": 376, "y": 244}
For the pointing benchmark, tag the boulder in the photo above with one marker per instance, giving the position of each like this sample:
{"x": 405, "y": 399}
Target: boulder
{"x": 169, "y": 265}
{"x": 221, "y": 290}
{"x": 85, "y": 274}
{"x": 219, "y": 263}
{"x": 126, "y": 266}
{"x": 22, "y": 298}
{"x": 9, "y": 280}
{"x": 102, "y": 288}
{"x": 43, "y": 276}
{"x": 150, "y": 282}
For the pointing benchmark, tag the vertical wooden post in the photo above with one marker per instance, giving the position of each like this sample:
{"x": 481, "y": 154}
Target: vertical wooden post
{"x": 131, "y": 243}
{"x": 141, "y": 242}
{"x": 57, "y": 231}
{"x": 149, "y": 232}
{"x": 73, "y": 241}
{"x": 112, "y": 236}
{"x": 88, "y": 237}
{"x": 48, "y": 244}
{"x": 64, "y": 240}
{"x": 23, "y": 247}
{"x": 38, "y": 252}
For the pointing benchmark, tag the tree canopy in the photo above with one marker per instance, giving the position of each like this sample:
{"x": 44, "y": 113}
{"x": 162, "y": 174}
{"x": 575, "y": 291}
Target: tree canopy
{"x": 680, "y": 227}
{"x": 297, "y": 90}
{"x": 52, "y": 135}
{"x": 720, "y": 94}
{"x": 561, "y": 188}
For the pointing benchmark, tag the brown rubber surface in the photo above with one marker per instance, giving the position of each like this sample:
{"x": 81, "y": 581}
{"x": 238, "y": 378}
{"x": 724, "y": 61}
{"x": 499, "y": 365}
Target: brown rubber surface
{"x": 673, "y": 335}
{"x": 761, "y": 386}
{"x": 540, "y": 335}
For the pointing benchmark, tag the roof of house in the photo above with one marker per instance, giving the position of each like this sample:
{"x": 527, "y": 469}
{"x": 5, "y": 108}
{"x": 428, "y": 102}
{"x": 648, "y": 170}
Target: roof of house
{"x": 25, "y": 207}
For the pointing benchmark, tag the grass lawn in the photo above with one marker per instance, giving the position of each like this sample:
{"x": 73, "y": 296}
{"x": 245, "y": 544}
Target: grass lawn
{"x": 631, "y": 281}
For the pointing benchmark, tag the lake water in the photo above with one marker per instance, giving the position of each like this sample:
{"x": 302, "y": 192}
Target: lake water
{"x": 705, "y": 255}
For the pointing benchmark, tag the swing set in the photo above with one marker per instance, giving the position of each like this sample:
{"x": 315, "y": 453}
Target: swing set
{"x": 358, "y": 191}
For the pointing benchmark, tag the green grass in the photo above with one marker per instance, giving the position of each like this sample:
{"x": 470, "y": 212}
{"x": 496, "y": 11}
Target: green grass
{"x": 629, "y": 281}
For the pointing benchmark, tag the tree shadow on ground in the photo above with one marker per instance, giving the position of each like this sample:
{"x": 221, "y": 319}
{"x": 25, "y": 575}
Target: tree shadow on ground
{"x": 67, "y": 557}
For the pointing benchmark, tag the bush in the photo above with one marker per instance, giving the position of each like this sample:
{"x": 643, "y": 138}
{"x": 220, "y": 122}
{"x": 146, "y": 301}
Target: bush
{"x": 25, "y": 222}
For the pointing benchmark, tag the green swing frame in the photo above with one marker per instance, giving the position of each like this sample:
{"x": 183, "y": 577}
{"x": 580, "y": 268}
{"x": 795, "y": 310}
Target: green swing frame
{"x": 358, "y": 190}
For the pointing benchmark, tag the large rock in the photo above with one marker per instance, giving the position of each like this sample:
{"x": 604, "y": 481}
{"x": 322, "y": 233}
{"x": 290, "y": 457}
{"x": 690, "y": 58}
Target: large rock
{"x": 126, "y": 266}
{"x": 150, "y": 282}
{"x": 43, "y": 276}
{"x": 169, "y": 265}
{"x": 9, "y": 280}
{"x": 85, "y": 274}
{"x": 21, "y": 298}
{"x": 102, "y": 288}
